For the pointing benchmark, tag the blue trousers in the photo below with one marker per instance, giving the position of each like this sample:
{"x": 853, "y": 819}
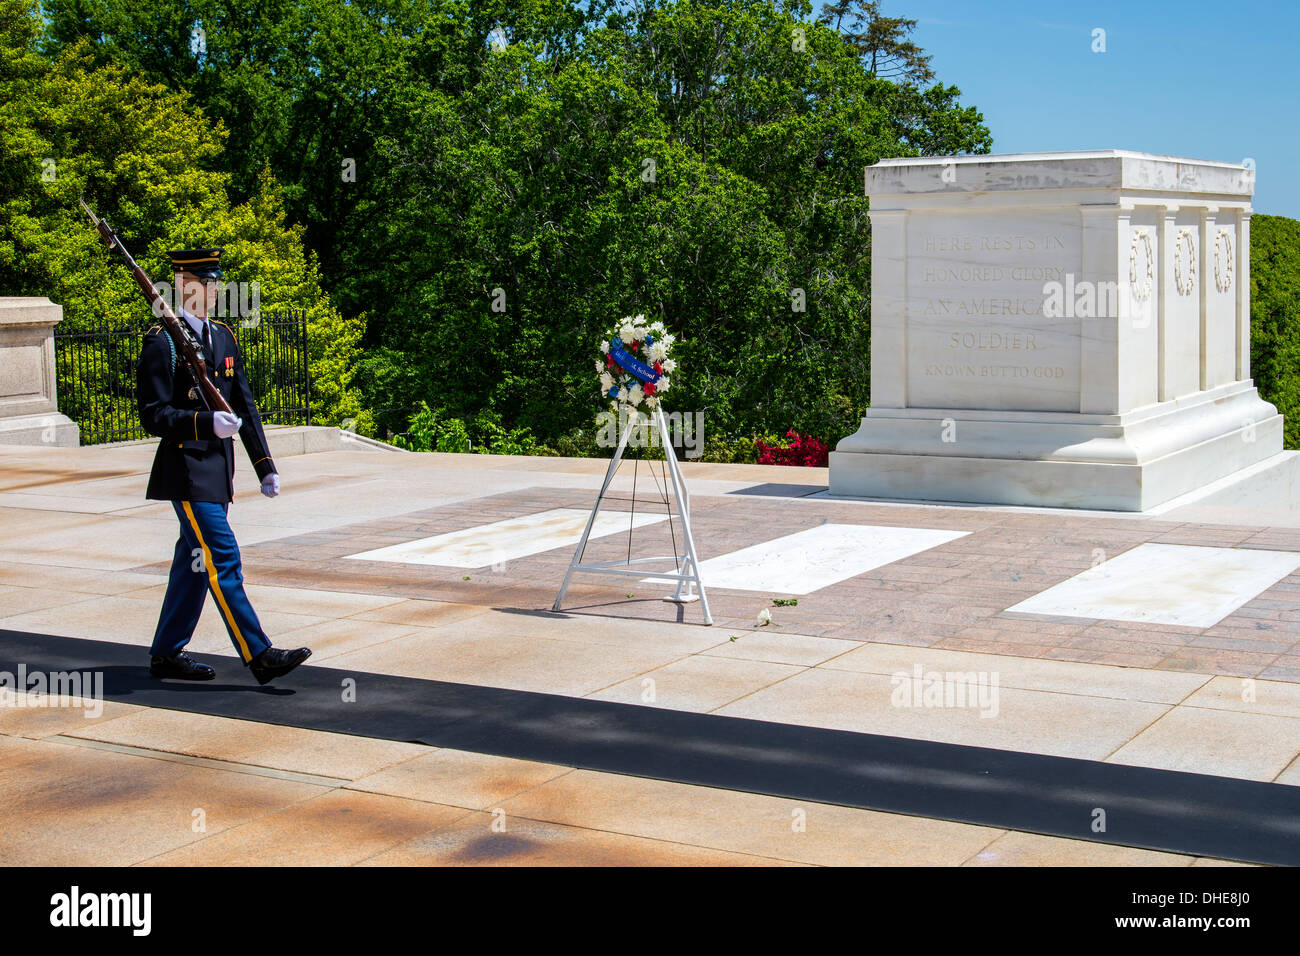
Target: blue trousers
{"x": 206, "y": 559}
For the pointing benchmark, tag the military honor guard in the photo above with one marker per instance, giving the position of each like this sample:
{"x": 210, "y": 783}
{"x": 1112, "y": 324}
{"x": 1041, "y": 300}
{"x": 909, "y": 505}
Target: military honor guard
{"x": 194, "y": 469}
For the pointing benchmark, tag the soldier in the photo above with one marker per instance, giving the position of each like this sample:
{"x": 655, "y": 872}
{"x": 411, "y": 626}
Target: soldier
{"x": 194, "y": 469}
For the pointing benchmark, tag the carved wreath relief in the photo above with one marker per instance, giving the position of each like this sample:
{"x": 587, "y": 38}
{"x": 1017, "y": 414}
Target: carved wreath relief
{"x": 1141, "y": 265}
{"x": 1223, "y": 262}
{"x": 1185, "y": 261}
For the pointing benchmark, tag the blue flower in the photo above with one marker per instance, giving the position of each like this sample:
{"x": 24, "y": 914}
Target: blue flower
{"x": 649, "y": 340}
{"x": 613, "y": 392}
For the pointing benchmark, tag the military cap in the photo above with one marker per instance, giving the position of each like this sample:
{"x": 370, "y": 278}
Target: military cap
{"x": 204, "y": 263}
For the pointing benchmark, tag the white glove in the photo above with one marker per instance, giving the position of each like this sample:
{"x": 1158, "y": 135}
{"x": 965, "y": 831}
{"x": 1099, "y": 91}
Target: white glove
{"x": 271, "y": 485}
{"x": 226, "y": 424}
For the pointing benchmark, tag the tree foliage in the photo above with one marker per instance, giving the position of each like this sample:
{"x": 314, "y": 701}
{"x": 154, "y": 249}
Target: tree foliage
{"x": 880, "y": 40}
{"x": 565, "y": 163}
{"x": 1275, "y": 316}
{"x": 76, "y": 124}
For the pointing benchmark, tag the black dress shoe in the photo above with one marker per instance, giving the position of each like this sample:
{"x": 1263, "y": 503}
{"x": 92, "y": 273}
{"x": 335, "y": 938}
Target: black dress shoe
{"x": 273, "y": 663}
{"x": 181, "y": 666}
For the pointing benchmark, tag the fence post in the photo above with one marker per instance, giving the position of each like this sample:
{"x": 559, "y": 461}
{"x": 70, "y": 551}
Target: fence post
{"x": 306, "y": 365}
{"x": 29, "y": 408}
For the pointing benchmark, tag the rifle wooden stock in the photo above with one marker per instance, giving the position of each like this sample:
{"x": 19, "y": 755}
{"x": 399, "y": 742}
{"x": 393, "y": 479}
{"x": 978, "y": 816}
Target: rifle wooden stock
{"x": 180, "y": 334}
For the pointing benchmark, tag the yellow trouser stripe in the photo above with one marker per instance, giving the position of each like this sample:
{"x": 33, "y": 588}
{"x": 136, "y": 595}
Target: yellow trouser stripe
{"x": 216, "y": 588}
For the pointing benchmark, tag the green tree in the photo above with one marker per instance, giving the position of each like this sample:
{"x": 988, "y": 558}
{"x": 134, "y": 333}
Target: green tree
{"x": 77, "y": 125}
{"x": 1275, "y": 316}
{"x": 880, "y": 40}
{"x": 695, "y": 164}
{"x": 697, "y": 160}
{"x": 307, "y": 88}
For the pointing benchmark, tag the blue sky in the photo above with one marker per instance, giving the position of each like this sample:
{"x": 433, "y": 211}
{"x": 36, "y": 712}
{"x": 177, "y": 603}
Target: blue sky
{"x": 1189, "y": 78}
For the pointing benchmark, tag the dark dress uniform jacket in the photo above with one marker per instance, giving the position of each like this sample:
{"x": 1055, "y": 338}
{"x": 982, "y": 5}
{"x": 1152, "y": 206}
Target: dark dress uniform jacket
{"x": 192, "y": 463}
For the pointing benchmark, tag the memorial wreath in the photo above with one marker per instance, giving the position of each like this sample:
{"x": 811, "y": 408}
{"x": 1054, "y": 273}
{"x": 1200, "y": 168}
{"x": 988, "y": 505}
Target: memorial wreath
{"x": 636, "y": 363}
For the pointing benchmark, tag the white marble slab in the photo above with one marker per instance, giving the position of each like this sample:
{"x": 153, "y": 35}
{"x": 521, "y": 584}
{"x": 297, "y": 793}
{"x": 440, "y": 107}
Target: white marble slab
{"x": 1167, "y": 584}
{"x": 508, "y": 540}
{"x": 819, "y": 557}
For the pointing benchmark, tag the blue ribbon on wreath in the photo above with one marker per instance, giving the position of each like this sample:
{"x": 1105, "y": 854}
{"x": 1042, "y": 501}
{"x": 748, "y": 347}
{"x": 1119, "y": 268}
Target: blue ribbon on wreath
{"x": 632, "y": 364}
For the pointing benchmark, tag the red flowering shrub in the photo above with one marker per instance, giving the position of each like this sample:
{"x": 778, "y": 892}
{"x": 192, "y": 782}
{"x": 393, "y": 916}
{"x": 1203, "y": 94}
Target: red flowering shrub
{"x": 801, "y": 450}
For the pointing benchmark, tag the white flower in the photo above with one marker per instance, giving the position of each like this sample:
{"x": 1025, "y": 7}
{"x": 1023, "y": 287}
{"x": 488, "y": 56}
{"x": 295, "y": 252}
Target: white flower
{"x": 604, "y": 347}
{"x": 606, "y": 381}
{"x": 764, "y": 618}
{"x": 661, "y": 385}
{"x": 635, "y": 395}
{"x": 651, "y": 402}
{"x": 627, "y": 334}
{"x": 669, "y": 366}
{"x": 657, "y": 326}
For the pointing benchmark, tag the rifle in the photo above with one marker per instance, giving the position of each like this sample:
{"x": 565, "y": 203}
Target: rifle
{"x": 179, "y": 332}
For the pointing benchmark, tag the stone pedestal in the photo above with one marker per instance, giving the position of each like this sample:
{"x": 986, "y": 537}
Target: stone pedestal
{"x": 29, "y": 410}
{"x": 1063, "y": 329}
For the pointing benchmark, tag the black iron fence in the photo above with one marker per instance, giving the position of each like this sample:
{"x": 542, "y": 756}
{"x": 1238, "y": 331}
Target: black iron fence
{"x": 96, "y": 372}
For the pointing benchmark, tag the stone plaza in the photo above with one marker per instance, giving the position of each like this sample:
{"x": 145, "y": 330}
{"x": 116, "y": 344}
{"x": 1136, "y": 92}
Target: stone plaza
{"x": 1088, "y": 671}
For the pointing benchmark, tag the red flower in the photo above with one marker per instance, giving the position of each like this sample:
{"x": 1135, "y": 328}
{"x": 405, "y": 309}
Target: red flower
{"x": 649, "y": 388}
{"x": 659, "y": 369}
{"x": 633, "y": 346}
{"x": 802, "y": 450}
